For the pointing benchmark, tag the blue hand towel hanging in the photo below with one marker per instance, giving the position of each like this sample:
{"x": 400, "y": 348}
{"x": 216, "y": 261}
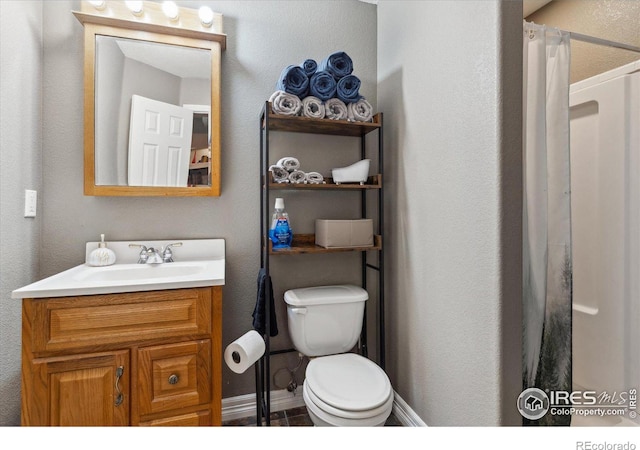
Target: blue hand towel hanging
{"x": 259, "y": 314}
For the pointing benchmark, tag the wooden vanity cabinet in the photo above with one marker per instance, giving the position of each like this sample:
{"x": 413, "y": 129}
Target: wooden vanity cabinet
{"x": 139, "y": 358}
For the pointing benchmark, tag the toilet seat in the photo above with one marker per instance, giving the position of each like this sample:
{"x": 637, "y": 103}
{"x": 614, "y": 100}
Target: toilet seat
{"x": 320, "y": 417}
{"x": 382, "y": 410}
{"x": 347, "y": 390}
{"x": 349, "y": 383}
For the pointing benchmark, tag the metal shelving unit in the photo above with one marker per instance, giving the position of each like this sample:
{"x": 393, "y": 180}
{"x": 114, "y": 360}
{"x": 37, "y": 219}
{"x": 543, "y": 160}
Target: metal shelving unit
{"x": 305, "y": 243}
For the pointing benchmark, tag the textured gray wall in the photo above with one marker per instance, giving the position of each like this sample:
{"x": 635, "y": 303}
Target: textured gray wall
{"x": 20, "y": 169}
{"x": 42, "y": 85}
{"x": 614, "y": 20}
{"x": 263, "y": 37}
{"x": 450, "y": 84}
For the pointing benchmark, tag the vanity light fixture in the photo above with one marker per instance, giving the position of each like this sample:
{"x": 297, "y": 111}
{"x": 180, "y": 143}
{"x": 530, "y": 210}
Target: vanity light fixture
{"x": 135, "y": 7}
{"x": 170, "y": 9}
{"x": 206, "y": 16}
{"x": 98, "y": 4}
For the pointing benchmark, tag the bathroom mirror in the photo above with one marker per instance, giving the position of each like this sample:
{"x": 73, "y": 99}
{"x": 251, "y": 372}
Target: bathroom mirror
{"x": 152, "y": 111}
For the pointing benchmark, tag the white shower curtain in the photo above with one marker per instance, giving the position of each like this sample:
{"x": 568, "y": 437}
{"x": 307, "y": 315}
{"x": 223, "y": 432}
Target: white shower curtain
{"x": 547, "y": 275}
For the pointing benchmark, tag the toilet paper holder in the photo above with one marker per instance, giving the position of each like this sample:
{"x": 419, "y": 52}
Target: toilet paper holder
{"x": 245, "y": 351}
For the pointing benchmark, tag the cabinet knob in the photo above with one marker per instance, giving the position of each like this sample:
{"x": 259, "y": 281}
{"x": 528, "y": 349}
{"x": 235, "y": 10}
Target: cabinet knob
{"x": 173, "y": 379}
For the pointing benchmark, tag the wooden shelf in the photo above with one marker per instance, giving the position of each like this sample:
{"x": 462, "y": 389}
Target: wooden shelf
{"x": 374, "y": 182}
{"x": 296, "y": 124}
{"x": 306, "y": 243}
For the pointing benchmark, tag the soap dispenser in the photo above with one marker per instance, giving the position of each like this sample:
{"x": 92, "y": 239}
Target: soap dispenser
{"x": 102, "y": 256}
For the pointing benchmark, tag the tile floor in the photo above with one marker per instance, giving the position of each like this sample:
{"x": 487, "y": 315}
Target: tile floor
{"x": 296, "y": 417}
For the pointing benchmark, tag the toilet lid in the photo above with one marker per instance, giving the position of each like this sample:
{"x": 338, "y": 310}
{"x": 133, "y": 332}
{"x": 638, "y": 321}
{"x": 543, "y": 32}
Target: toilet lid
{"x": 348, "y": 381}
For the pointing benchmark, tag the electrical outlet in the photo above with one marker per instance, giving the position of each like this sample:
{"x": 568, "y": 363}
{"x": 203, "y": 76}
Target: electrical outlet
{"x": 30, "y": 203}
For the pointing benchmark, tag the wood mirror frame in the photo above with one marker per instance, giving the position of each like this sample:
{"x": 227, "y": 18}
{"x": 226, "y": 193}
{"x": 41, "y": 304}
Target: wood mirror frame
{"x": 152, "y": 26}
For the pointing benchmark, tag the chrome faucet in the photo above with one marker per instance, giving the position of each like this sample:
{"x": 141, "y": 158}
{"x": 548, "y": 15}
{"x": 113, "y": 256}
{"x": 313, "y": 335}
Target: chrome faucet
{"x": 167, "y": 254}
{"x": 152, "y": 255}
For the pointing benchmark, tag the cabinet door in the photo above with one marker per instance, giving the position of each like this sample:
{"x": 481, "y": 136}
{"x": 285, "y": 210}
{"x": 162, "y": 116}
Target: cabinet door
{"x": 87, "y": 390}
{"x": 174, "y": 376}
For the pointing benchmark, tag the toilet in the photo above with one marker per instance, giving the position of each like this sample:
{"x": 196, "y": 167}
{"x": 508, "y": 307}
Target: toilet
{"x": 340, "y": 388}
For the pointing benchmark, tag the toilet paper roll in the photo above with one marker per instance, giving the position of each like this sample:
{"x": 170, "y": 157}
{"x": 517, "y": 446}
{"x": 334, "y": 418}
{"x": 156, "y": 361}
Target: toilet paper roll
{"x": 244, "y": 351}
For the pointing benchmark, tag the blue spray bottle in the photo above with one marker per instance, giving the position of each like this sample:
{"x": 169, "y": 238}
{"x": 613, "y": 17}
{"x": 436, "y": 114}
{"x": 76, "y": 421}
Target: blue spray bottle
{"x": 280, "y": 232}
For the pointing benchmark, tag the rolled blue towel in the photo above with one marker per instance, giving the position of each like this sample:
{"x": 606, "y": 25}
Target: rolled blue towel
{"x": 338, "y": 64}
{"x": 348, "y": 89}
{"x": 322, "y": 85}
{"x": 309, "y": 66}
{"x": 293, "y": 80}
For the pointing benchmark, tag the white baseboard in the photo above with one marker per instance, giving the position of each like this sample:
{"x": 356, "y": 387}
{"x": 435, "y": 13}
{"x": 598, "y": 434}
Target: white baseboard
{"x": 245, "y": 406}
{"x": 405, "y": 415}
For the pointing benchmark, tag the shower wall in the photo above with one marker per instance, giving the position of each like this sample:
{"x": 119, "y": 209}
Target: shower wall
{"x": 605, "y": 185}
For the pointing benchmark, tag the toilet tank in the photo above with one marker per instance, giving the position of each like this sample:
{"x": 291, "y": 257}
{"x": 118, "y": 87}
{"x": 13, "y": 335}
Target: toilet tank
{"x": 325, "y": 320}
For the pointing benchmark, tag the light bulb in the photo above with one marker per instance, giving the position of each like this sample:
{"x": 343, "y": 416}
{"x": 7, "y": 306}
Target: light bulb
{"x": 134, "y": 6}
{"x": 170, "y": 10}
{"x": 98, "y": 4}
{"x": 206, "y": 16}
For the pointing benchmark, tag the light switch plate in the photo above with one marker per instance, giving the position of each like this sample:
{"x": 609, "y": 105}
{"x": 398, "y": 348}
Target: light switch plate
{"x": 30, "y": 203}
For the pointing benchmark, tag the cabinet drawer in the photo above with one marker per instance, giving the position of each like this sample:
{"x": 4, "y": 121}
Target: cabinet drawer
{"x": 174, "y": 376}
{"x": 76, "y": 322}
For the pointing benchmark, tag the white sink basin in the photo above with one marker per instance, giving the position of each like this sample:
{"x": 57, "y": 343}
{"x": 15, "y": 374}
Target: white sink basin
{"x": 138, "y": 272}
{"x": 203, "y": 268}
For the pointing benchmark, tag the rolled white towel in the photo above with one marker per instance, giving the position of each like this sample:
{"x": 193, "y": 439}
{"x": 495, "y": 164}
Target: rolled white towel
{"x": 289, "y": 163}
{"x": 335, "y": 109}
{"x": 312, "y": 107}
{"x": 315, "y": 178}
{"x": 297, "y": 177}
{"x": 279, "y": 173}
{"x": 285, "y": 103}
{"x": 360, "y": 111}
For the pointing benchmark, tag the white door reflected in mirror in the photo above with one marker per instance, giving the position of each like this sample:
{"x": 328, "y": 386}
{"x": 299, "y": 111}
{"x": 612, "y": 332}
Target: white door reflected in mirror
{"x": 159, "y": 143}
